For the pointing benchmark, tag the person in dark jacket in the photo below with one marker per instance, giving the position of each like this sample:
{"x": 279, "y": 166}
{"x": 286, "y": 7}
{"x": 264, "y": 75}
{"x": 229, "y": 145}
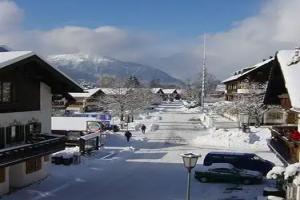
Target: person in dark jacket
{"x": 128, "y": 135}
{"x": 143, "y": 128}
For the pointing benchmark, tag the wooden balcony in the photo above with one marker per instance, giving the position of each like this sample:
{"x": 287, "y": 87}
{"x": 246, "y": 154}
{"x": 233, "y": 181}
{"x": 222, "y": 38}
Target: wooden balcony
{"x": 283, "y": 132}
{"x": 35, "y": 147}
{"x": 283, "y": 145}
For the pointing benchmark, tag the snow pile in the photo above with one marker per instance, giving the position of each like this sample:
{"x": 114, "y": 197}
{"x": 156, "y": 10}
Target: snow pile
{"x": 190, "y": 110}
{"x": 297, "y": 180}
{"x": 160, "y": 109}
{"x": 130, "y": 148}
{"x": 154, "y": 127}
{"x": 276, "y": 172}
{"x": 235, "y": 138}
{"x": 69, "y": 152}
{"x": 137, "y": 127}
{"x": 157, "y": 118}
{"x": 291, "y": 170}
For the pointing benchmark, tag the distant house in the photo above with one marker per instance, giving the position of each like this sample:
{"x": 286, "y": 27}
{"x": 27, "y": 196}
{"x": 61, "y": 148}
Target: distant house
{"x": 27, "y": 84}
{"x": 283, "y": 92}
{"x": 171, "y": 94}
{"x": 238, "y": 84}
{"x": 159, "y": 92}
{"x": 219, "y": 92}
{"x": 115, "y": 91}
{"x": 87, "y": 100}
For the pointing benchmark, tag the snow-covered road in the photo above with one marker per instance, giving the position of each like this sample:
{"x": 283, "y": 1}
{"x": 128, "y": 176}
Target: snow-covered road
{"x": 153, "y": 171}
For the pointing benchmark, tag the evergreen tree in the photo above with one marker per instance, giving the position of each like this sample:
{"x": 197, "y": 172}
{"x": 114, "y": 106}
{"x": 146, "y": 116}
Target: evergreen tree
{"x": 133, "y": 82}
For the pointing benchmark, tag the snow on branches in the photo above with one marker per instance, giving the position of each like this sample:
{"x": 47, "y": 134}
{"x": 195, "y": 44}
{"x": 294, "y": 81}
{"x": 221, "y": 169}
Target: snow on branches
{"x": 123, "y": 100}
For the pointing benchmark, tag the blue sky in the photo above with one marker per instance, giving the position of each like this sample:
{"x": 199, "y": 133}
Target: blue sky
{"x": 176, "y": 17}
{"x": 166, "y": 34}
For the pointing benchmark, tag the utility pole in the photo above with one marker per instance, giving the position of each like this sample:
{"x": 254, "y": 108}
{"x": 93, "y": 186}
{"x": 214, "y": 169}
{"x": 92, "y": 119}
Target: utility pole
{"x": 203, "y": 72}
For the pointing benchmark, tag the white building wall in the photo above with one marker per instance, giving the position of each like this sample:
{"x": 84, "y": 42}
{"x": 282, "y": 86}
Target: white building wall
{"x": 268, "y": 120}
{"x": 43, "y": 115}
{"x": 4, "y": 187}
{"x": 19, "y": 178}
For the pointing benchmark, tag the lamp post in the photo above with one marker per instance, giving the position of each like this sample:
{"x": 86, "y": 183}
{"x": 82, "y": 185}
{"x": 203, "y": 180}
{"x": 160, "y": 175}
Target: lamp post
{"x": 189, "y": 161}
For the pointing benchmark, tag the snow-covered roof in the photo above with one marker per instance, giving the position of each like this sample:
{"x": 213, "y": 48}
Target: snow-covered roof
{"x": 290, "y": 67}
{"x": 114, "y": 91}
{"x": 247, "y": 70}
{"x": 180, "y": 91}
{"x": 86, "y": 94}
{"x": 10, "y": 57}
{"x": 221, "y": 88}
{"x": 155, "y": 90}
{"x": 169, "y": 91}
{"x": 71, "y": 123}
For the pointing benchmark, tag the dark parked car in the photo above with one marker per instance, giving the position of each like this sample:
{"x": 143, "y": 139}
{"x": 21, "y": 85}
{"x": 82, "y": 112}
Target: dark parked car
{"x": 248, "y": 161}
{"x": 224, "y": 172}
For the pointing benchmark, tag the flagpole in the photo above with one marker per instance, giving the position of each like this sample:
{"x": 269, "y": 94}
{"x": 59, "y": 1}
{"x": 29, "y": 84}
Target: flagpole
{"x": 203, "y": 72}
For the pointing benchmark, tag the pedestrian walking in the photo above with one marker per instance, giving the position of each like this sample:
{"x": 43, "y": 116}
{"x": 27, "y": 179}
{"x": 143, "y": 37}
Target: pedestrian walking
{"x": 143, "y": 128}
{"x": 128, "y": 135}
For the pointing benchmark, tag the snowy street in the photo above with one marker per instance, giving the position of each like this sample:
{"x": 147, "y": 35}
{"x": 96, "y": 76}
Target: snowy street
{"x": 148, "y": 167}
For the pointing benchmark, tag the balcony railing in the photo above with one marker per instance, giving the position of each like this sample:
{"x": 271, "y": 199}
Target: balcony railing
{"x": 284, "y": 131}
{"x": 35, "y": 147}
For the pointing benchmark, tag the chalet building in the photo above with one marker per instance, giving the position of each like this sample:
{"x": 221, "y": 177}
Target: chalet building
{"x": 86, "y": 101}
{"x": 171, "y": 94}
{"x": 27, "y": 84}
{"x": 283, "y": 92}
{"x": 159, "y": 92}
{"x": 239, "y": 83}
{"x": 219, "y": 92}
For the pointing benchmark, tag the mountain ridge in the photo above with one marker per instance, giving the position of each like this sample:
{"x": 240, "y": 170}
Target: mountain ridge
{"x": 91, "y": 67}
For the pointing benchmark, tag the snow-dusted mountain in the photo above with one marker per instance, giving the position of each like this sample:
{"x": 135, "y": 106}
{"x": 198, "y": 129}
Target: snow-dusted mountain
{"x": 88, "y": 67}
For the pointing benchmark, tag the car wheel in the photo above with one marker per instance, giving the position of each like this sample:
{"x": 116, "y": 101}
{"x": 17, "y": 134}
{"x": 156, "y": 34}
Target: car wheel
{"x": 246, "y": 181}
{"x": 203, "y": 179}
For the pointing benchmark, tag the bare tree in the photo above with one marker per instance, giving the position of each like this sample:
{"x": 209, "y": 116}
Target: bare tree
{"x": 249, "y": 102}
{"x": 125, "y": 101}
{"x": 193, "y": 88}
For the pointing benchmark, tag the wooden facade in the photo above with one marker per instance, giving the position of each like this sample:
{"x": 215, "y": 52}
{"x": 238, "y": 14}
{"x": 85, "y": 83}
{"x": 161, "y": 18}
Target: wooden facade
{"x": 239, "y": 83}
{"x": 27, "y": 84}
{"x": 277, "y": 94}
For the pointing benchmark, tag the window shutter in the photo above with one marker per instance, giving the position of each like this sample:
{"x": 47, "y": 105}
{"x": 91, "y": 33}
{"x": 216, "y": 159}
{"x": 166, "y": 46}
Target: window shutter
{"x": 27, "y": 131}
{"x": 8, "y": 135}
{"x": 2, "y": 137}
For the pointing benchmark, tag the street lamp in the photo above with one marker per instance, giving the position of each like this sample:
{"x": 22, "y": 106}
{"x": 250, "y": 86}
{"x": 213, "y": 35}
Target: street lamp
{"x": 189, "y": 161}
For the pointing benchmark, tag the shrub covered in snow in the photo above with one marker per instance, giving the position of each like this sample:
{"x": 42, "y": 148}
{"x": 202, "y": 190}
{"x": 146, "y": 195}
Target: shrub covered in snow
{"x": 291, "y": 171}
{"x": 288, "y": 174}
{"x": 276, "y": 173}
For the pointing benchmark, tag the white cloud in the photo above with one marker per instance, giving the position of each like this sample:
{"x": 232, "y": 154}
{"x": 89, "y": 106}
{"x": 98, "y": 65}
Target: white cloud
{"x": 249, "y": 41}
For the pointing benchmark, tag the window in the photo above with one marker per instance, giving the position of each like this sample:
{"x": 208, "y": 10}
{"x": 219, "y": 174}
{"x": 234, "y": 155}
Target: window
{"x": 2, "y": 174}
{"x": 33, "y": 165}
{"x": 33, "y": 128}
{"x": 5, "y": 92}
{"x": 15, "y": 134}
{"x": 275, "y": 115}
